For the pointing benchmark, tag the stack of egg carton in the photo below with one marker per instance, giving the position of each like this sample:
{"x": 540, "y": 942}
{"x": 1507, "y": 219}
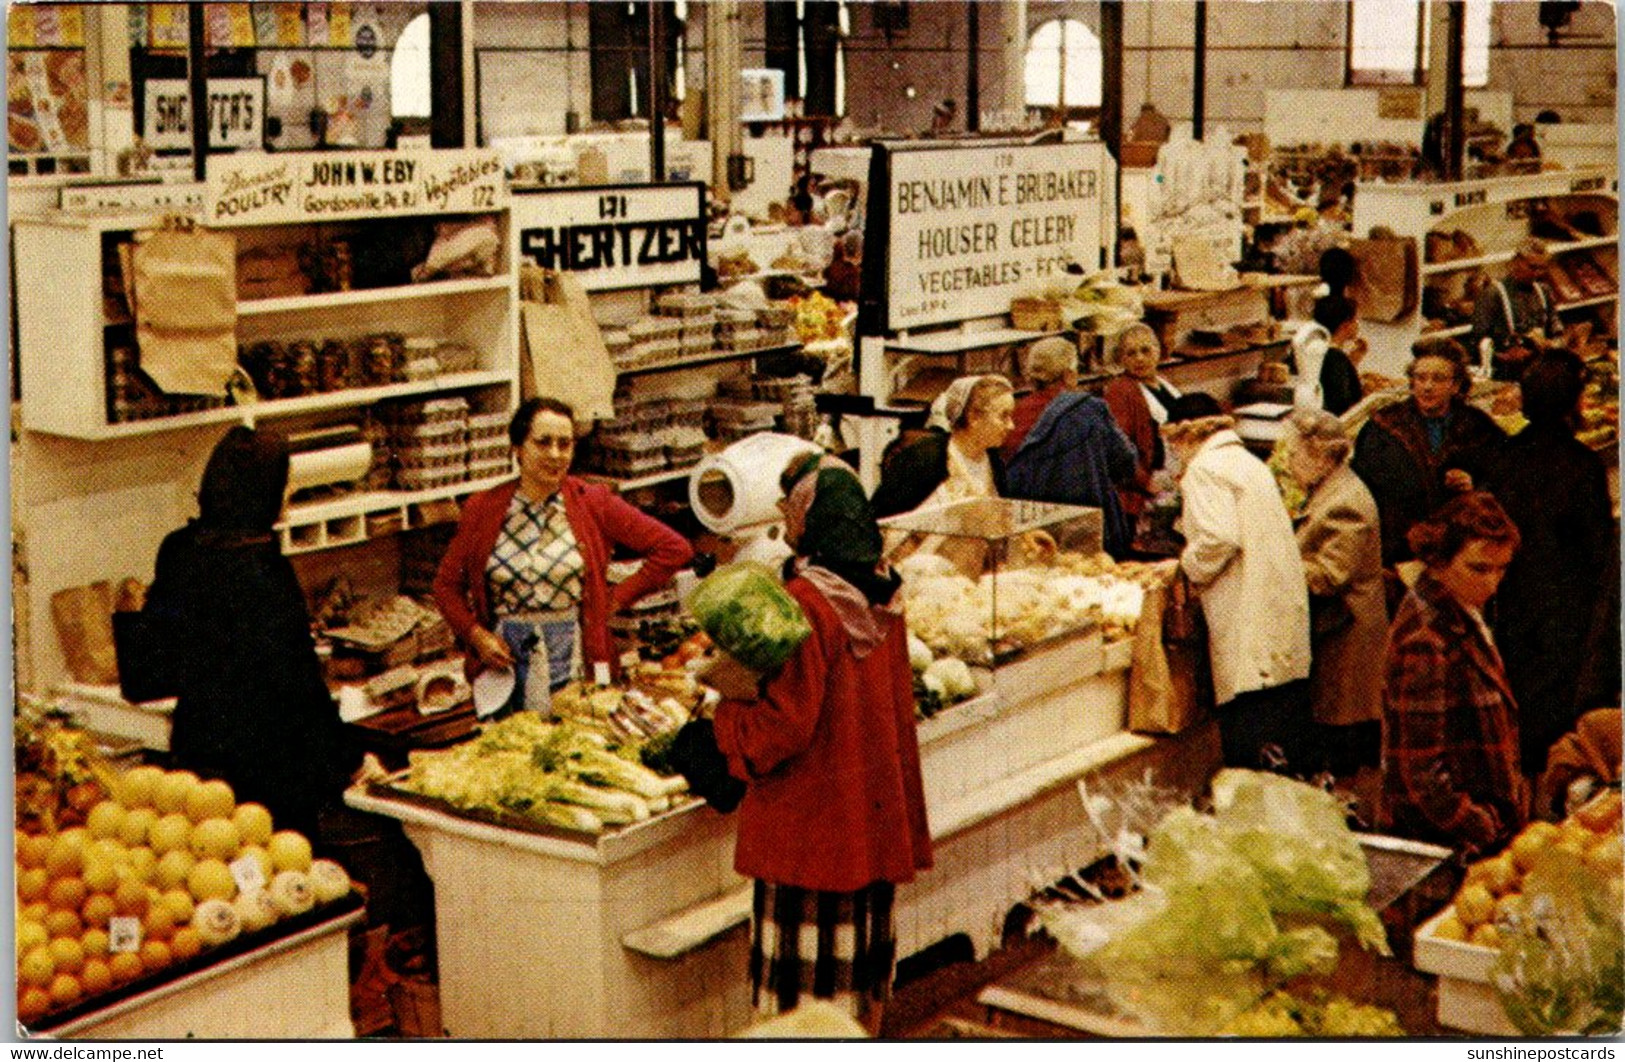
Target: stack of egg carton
{"x": 632, "y": 444}
{"x": 799, "y": 411}
{"x": 430, "y": 442}
{"x": 489, "y": 451}
{"x": 654, "y": 341}
{"x": 737, "y": 331}
{"x": 738, "y": 412}
{"x": 684, "y": 433}
{"x": 776, "y": 324}
{"x": 698, "y": 334}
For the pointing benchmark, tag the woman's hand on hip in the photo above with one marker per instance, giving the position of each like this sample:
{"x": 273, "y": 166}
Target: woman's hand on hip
{"x": 491, "y": 649}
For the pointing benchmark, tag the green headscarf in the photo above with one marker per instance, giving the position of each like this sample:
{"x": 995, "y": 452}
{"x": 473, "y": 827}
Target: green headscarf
{"x": 838, "y": 529}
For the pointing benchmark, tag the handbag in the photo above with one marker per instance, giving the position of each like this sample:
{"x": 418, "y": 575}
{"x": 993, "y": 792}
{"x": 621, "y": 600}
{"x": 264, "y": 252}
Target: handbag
{"x": 1329, "y": 614}
{"x": 145, "y": 661}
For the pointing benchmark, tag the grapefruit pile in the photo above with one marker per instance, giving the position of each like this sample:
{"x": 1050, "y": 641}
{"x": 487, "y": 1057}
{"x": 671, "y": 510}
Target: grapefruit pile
{"x": 1492, "y": 892}
{"x": 165, "y": 868}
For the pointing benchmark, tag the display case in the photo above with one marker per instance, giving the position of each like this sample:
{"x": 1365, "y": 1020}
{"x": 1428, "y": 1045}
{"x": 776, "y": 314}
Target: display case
{"x": 993, "y": 580}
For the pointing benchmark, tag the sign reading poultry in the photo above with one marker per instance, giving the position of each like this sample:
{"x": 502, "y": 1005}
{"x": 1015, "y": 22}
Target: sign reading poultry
{"x": 616, "y": 236}
{"x": 968, "y": 228}
{"x": 336, "y": 185}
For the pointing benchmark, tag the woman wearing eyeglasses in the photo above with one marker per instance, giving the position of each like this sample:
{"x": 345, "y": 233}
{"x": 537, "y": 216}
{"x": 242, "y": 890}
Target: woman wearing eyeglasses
{"x": 526, "y": 572}
{"x": 1410, "y": 455}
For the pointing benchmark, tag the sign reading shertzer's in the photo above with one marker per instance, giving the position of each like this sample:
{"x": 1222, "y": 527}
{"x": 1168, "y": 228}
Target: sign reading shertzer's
{"x": 336, "y": 185}
{"x": 621, "y": 236}
{"x": 971, "y": 227}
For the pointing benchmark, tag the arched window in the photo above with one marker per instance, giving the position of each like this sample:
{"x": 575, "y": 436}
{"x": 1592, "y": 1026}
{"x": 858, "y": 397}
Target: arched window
{"x": 1063, "y": 48}
{"x": 409, "y": 71}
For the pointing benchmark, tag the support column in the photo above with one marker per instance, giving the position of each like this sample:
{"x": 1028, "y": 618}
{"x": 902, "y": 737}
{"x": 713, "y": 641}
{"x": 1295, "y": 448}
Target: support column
{"x": 1013, "y": 49}
{"x": 657, "y": 92}
{"x": 448, "y": 110}
{"x": 722, "y": 64}
{"x": 1111, "y": 78}
{"x": 1199, "y": 73}
{"x": 1455, "y": 111}
{"x": 973, "y": 66}
{"x": 197, "y": 81}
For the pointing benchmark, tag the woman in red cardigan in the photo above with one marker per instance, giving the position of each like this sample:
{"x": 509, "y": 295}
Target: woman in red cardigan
{"x": 1139, "y": 401}
{"x": 833, "y": 815}
{"x": 526, "y": 570}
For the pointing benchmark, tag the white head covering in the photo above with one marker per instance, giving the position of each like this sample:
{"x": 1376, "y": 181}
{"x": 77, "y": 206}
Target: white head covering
{"x": 949, "y": 405}
{"x": 1309, "y": 346}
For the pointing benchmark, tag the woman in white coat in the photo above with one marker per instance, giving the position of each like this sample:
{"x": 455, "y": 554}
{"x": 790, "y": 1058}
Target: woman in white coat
{"x": 1342, "y": 560}
{"x": 1242, "y": 559}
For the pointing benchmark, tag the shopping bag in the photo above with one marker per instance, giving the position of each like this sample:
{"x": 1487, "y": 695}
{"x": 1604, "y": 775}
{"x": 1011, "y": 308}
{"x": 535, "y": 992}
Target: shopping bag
{"x": 185, "y": 299}
{"x": 83, "y": 616}
{"x": 566, "y": 355}
{"x": 1166, "y": 693}
{"x": 1386, "y": 279}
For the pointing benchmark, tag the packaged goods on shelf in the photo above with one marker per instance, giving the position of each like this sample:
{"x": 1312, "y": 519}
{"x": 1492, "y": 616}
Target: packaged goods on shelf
{"x": 429, "y": 479}
{"x": 456, "y": 357}
{"x": 439, "y": 456}
{"x": 647, "y": 328}
{"x": 631, "y": 455}
{"x": 684, "y": 445}
{"x": 432, "y": 411}
{"x": 685, "y": 304}
{"x": 488, "y": 426}
{"x": 487, "y": 450}
{"x": 489, "y": 468}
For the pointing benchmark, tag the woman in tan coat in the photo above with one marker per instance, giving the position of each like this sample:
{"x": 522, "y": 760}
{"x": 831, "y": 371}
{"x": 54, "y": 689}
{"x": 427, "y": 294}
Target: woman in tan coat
{"x": 1341, "y": 546}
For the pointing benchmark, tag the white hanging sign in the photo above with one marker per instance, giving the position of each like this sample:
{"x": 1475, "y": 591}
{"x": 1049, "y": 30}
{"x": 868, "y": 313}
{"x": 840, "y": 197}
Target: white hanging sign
{"x": 614, "y": 236}
{"x": 236, "y": 113}
{"x": 968, "y": 228}
{"x": 336, "y": 185}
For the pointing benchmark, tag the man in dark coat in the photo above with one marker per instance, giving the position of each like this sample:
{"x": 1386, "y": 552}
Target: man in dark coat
{"x": 1555, "y": 488}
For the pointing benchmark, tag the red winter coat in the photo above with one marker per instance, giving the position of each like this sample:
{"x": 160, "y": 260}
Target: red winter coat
{"x": 600, "y": 520}
{"x": 835, "y": 799}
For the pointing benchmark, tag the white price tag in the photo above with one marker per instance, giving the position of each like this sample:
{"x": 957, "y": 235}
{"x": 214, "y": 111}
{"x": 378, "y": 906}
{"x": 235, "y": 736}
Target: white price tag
{"x": 123, "y": 934}
{"x": 250, "y": 877}
{"x": 600, "y": 672}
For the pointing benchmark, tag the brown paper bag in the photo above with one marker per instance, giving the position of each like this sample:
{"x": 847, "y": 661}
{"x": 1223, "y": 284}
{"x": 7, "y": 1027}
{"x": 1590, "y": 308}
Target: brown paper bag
{"x": 185, "y": 299}
{"x": 566, "y": 352}
{"x": 1385, "y": 282}
{"x": 84, "y": 628}
{"x": 1165, "y": 688}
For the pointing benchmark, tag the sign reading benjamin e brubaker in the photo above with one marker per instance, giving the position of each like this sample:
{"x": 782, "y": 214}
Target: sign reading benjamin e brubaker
{"x": 971, "y": 227}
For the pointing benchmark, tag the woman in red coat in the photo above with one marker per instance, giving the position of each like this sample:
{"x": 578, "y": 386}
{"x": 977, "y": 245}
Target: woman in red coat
{"x": 833, "y": 816}
{"x": 526, "y": 571}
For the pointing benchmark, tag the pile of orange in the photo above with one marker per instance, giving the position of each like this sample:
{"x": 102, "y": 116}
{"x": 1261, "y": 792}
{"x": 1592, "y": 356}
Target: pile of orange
{"x": 159, "y": 847}
{"x": 1492, "y": 891}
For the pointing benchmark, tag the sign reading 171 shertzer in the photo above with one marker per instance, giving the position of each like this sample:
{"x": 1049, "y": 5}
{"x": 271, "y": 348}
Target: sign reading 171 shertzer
{"x": 614, "y": 236}
{"x": 336, "y": 185}
{"x": 972, "y": 227}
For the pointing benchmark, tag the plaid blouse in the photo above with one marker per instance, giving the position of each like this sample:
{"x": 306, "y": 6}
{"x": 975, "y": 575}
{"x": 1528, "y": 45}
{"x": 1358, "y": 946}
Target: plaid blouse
{"x": 537, "y": 564}
{"x": 1449, "y": 729}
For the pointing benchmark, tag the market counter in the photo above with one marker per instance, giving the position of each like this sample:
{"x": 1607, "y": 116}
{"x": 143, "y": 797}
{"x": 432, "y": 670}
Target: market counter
{"x": 639, "y": 932}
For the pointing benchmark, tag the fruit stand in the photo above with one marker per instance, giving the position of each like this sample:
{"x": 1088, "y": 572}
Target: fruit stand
{"x": 152, "y": 905}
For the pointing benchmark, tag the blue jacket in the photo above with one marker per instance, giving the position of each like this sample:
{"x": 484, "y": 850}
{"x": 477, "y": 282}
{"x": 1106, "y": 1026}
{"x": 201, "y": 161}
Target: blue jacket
{"x": 1076, "y": 454}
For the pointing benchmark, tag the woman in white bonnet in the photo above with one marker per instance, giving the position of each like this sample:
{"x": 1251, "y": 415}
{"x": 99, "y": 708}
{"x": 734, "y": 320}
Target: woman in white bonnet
{"x": 957, "y": 457}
